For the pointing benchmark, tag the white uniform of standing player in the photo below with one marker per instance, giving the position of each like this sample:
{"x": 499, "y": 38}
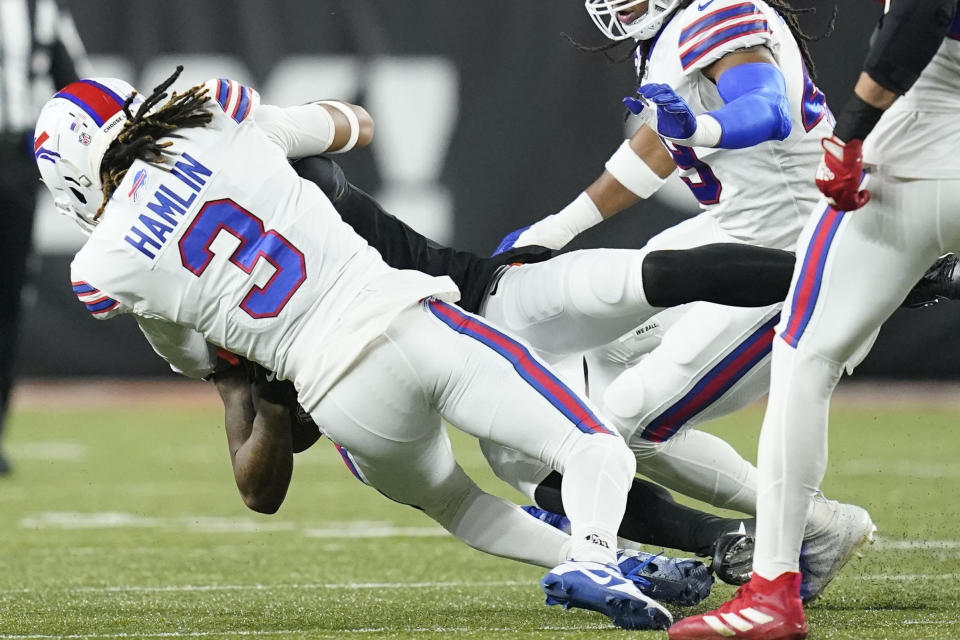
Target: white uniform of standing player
{"x": 856, "y": 267}
{"x": 226, "y": 245}
{"x": 711, "y": 359}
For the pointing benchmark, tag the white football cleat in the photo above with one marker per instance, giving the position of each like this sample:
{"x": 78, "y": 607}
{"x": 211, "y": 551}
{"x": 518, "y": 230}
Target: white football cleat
{"x": 829, "y": 547}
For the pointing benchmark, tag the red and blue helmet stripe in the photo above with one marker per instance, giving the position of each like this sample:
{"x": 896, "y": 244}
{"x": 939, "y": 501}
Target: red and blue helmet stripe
{"x": 97, "y": 100}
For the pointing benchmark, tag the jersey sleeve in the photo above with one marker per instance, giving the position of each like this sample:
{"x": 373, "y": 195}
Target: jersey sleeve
{"x": 301, "y": 131}
{"x": 236, "y": 100}
{"x": 185, "y": 350}
{"x": 718, "y": 28}
{"x": 99, "y": 304}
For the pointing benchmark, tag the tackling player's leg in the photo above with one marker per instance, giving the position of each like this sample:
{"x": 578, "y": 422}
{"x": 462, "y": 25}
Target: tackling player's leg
{"x": 813, "y": 342}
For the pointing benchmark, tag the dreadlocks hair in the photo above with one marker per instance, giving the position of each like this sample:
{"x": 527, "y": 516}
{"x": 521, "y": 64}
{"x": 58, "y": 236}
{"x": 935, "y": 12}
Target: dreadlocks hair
{"x": 791, "y": 15}
{"x": 139, "y": 138}
{"x": 606, "y": 48}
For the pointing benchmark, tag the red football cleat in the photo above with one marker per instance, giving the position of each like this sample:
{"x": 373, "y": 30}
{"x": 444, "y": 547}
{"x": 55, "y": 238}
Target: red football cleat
{"x": 760, "y": 610}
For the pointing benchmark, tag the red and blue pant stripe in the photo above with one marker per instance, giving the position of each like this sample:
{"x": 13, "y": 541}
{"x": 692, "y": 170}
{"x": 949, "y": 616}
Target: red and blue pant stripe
{"x": 351, "y": 464}
{"x": 807, "y": 288}
{"x": 529, "y": 368}
{"x": 716, "y": 382}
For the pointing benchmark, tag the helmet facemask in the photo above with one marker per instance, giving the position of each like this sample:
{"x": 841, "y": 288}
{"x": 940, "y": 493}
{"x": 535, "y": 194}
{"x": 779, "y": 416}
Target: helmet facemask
{"x": 605, "y": 17}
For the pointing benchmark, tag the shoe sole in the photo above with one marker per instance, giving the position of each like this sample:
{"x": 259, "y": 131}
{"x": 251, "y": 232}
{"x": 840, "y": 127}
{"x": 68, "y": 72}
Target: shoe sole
{"x": 769, "y": 635}
{"x": 626, "y": 612}
{"x": 865, "y": 539}
{"x": 734, "y": 565}
{"x": 692, "y": 588}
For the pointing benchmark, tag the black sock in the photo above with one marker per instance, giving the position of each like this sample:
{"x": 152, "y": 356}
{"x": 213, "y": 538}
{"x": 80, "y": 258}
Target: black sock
{"x": 654, "y": 517}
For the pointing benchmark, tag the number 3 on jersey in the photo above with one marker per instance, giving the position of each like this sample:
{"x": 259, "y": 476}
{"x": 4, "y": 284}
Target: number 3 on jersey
{"x": 705, "y": 186}
{"x": 255, "y": 243}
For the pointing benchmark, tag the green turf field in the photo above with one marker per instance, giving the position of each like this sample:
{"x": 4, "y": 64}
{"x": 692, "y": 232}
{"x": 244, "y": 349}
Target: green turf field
{"x": 125, "y": 523}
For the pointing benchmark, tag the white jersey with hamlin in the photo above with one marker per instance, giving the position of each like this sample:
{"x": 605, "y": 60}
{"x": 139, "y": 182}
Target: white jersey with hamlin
{"x": 762, "y": 194}
{"x": 918, "y": 137}
{"x": 228, "y": 246}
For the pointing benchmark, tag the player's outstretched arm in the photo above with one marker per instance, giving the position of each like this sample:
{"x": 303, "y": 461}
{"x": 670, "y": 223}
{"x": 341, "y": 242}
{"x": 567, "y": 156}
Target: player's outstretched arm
{"x": 260, "y": 440}
{"x": 401, "y": 246}
{"x": 637, "y": 169}
{"x": 325, "y": 126}
{"x": 755, "y": 106}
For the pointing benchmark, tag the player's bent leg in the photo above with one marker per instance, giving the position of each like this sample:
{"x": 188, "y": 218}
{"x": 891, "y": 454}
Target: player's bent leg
{"x": 702, "y": 466}
{"x": 735, "y": 274}
{"x": 393, "y": 441}
{"x": 573, "y": 302}
{"x": 489, "y": 385}
{"x": 710, "y": 361}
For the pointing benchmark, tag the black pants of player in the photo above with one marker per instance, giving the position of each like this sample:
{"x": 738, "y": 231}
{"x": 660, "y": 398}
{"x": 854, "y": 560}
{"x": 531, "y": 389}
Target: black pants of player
{"x": 19, "y": 181}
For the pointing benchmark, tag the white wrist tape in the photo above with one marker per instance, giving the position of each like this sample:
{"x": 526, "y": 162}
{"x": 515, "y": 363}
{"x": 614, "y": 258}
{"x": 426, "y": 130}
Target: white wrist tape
{"x": 557, "y": 230}
{"x": 579, "y": 215}
{"x": 632, "y": 172}
{"x": 352, "y": 119}
{"x": 708, "y": 133}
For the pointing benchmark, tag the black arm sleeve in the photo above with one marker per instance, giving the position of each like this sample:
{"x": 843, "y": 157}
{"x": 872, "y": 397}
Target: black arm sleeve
{"x": 401, "y": 246}
{"x": 906, "y": 40}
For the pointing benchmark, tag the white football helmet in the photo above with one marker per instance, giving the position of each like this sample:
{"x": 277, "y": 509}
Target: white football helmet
{"x": 74, "y": 130}
{"x": 604, "y": 14}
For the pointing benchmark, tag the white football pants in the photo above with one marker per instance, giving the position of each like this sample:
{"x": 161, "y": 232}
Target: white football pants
{"x": 435, "y": 361}
{"x": 856, "y": 269}
{"x": 711, "y": 361}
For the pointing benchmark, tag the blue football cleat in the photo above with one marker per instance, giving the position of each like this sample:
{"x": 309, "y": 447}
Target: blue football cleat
{"x": 601, "y": 588}
{"x": 680, "y": 581}
{"x": 556, "y": 520}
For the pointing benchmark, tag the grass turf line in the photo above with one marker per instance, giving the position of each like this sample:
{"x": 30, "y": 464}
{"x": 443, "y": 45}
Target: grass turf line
{"x": 125, "y": 522}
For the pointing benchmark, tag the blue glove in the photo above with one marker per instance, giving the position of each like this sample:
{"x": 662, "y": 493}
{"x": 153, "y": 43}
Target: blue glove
{"x": 674, "y": 118}
{"x": 635, "y": 105}
{"x": 509, "y": 240}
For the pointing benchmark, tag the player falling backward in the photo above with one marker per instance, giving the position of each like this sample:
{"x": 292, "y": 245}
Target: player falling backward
{"x": 204, "y": 233}
{"x": 904, "y": 115}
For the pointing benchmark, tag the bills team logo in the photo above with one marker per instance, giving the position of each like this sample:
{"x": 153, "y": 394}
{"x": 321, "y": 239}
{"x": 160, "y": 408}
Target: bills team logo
{"x": 42, "y": 153}
{"x": 139, "y": 181}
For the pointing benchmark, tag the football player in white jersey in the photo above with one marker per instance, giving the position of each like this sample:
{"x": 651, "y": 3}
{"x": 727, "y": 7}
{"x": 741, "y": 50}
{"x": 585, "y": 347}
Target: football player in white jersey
{"x": 204, "y": 233}
{"x": 909, "y": 216}
{"x": 728, "y": 101}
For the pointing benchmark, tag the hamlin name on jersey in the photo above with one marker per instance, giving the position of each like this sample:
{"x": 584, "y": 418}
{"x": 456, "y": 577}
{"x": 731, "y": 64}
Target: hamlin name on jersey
{"x": 226, "y": 245}
{"x": 761, "y": 194}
